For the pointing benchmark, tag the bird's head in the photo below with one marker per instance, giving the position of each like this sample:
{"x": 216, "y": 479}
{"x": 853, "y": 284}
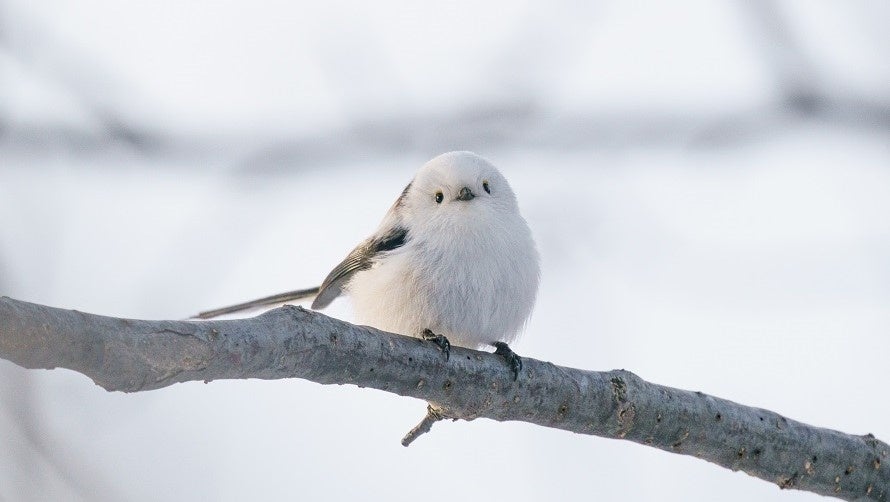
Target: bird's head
{"x": 455, "y": 189}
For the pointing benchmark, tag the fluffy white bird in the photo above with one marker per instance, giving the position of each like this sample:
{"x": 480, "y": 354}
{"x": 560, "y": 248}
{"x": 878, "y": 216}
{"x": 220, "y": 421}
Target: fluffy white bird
{"x": 453, "y": 261}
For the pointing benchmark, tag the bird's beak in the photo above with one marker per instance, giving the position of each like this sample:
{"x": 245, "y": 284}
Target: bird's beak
{"x": 465, "y": 194}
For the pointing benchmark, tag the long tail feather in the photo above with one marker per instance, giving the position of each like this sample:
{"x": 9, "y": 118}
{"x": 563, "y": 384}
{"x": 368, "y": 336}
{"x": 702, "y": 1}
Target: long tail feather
{"x": 260, "y": 302}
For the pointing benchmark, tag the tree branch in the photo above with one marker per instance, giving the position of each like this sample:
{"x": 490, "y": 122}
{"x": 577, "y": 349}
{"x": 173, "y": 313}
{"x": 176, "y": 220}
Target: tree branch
{"x": 291, "y": 342}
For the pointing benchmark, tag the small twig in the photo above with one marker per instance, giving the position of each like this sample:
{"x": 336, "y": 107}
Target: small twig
{"x": 432, "y": 416}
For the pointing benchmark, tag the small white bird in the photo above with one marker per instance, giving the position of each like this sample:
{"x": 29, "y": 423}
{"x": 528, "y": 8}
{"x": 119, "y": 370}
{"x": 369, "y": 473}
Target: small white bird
{"x": 453, "y": 262}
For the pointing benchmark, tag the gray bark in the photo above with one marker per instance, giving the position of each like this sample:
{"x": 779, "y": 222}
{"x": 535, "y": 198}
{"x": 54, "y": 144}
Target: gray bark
{"x": 291, "y": 342}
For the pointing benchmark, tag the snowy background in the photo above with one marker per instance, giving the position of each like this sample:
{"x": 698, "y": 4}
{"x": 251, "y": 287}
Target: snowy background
{"x": 708, "y": 183}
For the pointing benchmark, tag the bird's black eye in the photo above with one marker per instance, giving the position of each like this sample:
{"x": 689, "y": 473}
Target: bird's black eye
{"x": 486, "y": 187}
{"x": 439, "y": 197}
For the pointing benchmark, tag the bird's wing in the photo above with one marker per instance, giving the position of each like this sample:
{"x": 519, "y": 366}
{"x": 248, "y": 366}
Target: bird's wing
{"x": 361, "y": 258}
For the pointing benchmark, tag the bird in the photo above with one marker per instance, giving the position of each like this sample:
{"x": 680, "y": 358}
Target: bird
{"x": 453, "y": 262}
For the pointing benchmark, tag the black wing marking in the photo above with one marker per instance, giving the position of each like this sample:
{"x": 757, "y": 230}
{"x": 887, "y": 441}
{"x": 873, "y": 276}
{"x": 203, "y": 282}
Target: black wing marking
{"x": 361, "y": 258}
{"x": 393, "y": 239}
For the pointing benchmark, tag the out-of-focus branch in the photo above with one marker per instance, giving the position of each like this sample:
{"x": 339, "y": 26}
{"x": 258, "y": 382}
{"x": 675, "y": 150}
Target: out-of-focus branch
{"x": 44, "y": 55}
{"x": 290, "y": 342}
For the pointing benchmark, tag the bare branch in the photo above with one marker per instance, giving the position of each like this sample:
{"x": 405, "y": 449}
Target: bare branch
{"x": 291, "y": 342}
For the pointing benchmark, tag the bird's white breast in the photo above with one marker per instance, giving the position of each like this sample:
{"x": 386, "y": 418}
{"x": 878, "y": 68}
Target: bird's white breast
{"x": 475, "y": 284}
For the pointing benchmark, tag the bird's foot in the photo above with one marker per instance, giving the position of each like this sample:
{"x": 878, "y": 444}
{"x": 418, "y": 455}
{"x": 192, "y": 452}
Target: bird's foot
{"x": 514, "y": 361}
{"x": 442, "y": 342}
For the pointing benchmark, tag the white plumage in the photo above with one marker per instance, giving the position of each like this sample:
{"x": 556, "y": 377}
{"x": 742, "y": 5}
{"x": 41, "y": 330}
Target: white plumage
{"x": 452, "y": 255}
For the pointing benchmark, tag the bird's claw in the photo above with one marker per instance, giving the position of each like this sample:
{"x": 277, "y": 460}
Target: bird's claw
{"x": 440, "y": 341}
{"x": 513, "y": 360}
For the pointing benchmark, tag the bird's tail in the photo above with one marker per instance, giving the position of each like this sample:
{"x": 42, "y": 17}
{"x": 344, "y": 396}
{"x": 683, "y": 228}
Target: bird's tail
{"x": 259, "y": 302}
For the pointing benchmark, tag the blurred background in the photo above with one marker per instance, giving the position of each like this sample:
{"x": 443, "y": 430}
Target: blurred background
{"x": 708, "y": 183}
